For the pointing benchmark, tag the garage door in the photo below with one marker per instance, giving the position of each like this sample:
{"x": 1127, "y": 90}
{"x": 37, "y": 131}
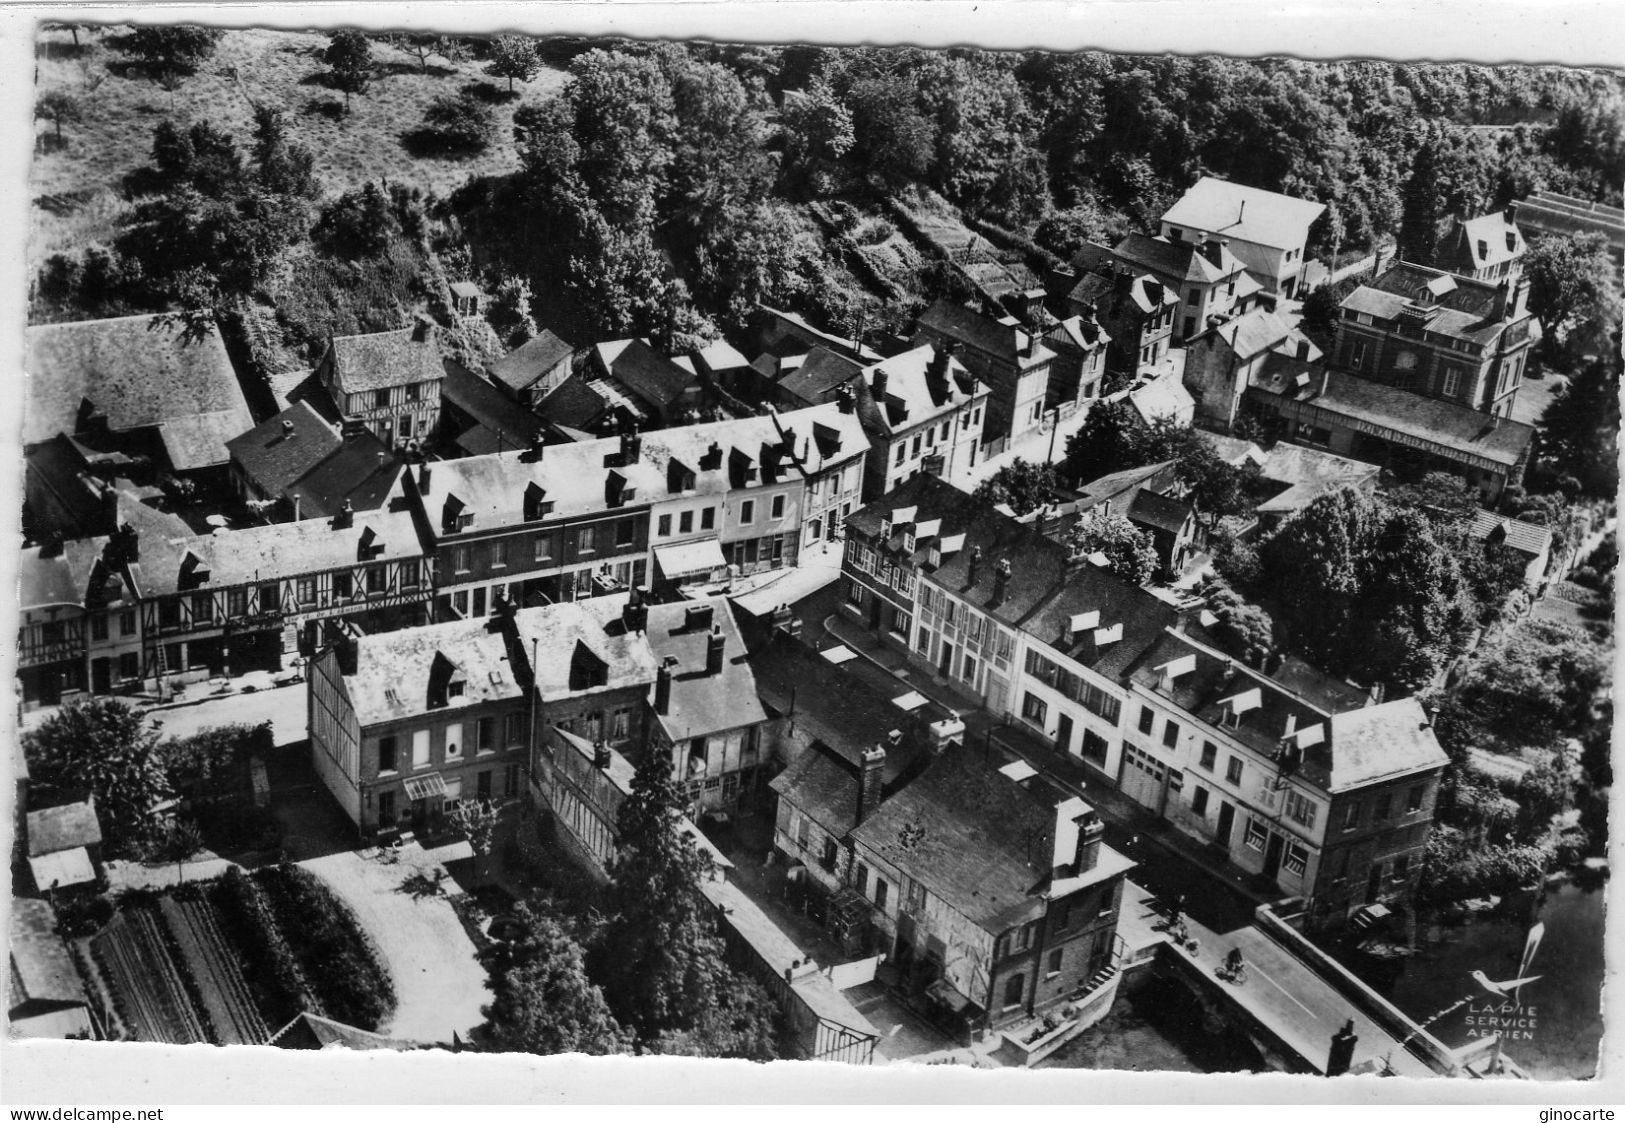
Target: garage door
{"x": 1143, "y": 777}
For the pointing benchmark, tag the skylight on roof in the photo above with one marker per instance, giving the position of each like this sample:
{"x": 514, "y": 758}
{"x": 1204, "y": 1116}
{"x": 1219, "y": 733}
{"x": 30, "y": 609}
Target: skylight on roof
{"x": 1442, "y": 286}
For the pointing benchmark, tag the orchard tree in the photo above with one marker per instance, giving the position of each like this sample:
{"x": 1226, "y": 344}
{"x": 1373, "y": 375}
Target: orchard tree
{"x": 459, "y": 124}
{"x": 171, "y": 50}
{"x": 349, "y": 62}
{"x": 58, "y": 107}
{"x": 106, "y": 747}
{"x": 1022, "y": 484}
{"x": 545, "y": 1003}
{"x": 509, "y": 312}
{"x": 514, "y": 57}
{"x": 422, "y": 46}
{"x": 1127, "y": 548}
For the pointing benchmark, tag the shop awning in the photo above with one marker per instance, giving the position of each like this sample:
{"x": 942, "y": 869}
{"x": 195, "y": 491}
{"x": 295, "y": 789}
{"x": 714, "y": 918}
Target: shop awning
{"x": 839, "y": 654}
{"x": 62, "y": 868}
{"x": 688, "y": 558}
{"x": 432, "y": 786}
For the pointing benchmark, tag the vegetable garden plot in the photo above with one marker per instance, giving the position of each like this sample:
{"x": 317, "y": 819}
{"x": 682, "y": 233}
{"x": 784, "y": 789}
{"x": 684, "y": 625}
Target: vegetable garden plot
{"x": 149, "y": 992}
{"x": 214, "y": 969}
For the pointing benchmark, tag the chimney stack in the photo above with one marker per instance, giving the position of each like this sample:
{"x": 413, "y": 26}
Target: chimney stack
{"x": 635, "y": 613}
{"x": 663, "y": 685}
{"x": 600, "y": 756}
{"x": 1070, "y": 816}
{"x": 937, "y": 369}
{"x": 844, "y": 398}
{"x": 714, "y": 644}
{"x": 631, "y": 445}
{"x": 1342, "y": 1054}
{"x": 345, "y": 518}
{"x": 975, "y": 563}
{"x": 1001, "y": 582}
{"x": 1091, "y": 831}
{"x": 1213, "y": 250}
{"x": 287, "y": 428}
{"x": 1121, "y": 278}
{"x": 878, "y": 383}
{"x": 423, "y": 479}
{"x": 870, "y": 778}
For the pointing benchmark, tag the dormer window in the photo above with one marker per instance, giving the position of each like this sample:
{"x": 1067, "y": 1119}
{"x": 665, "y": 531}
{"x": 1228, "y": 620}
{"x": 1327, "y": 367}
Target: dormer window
{"x": 536, "y": 504}
{"x": 455, "y": 688}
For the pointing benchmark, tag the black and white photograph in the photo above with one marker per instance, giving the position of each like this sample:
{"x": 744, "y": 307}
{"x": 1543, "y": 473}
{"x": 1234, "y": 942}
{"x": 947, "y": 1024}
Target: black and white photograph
{"x": 843, "y": 546}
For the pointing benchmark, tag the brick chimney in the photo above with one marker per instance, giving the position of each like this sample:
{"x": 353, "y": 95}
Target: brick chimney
{"x": 1070, "y": 815}
{"x": 345, "y": 518}
{"x": 663, "y": 685}
{"x": 878, "y": 383}
{"x": 631, "y": 445}
{"x": 937, "y": 369}
{"x": 287, "y": 429}
{"x": 870, "y": 778}
{"x": 715, "y": 642}
{"x": 1091, "y": 831}
{"x": 975, "y": 564}
{"x": 601, "y": 756}
{"x": 1213, "y": 249}
{"x": 1001, "y": 582}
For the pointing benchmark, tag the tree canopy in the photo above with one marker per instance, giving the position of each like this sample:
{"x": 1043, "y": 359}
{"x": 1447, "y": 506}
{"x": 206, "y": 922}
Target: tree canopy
{"x": 1022, "y": 484}
{"x": 1579, "y": 430}
{"x": 349, "y": 62}
{"x": 544, "y": 1001}
{"x": 659, "y": 956}
{"x": 106, "y": 748}
{"x": 1127, "y": 548}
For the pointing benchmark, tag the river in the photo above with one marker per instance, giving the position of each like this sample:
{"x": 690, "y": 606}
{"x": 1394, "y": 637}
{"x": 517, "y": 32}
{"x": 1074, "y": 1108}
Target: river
{"x": 1557, "y": 1033}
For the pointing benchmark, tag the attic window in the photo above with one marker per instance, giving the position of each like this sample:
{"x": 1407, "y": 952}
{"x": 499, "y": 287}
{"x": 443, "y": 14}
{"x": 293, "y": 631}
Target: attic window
{"x": 496, "y": 678}
{"x": 536, "y": 504}
{"x": 391, "y": 697}
{"x": 454, "y": 689}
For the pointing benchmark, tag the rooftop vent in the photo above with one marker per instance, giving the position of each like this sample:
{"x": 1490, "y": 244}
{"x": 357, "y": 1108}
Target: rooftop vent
{"x": 1110, "y": 634}
{"x": 1081, "y": 622}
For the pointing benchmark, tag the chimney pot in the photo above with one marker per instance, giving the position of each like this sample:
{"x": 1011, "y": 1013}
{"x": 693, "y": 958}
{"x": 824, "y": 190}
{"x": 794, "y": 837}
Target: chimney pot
{"x": 287, "y": 428}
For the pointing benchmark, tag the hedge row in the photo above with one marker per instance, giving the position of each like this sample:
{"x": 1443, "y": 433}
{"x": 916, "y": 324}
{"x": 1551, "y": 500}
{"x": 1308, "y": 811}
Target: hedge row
{"x": 269, "y": 965}
{"x": 1038, "y": 257}
{"x": 331, "y": 946}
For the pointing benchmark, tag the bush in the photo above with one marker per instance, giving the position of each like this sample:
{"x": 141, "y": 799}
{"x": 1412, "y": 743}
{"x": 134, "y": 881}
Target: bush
{"x": 330, "y": 945}
{"x": 457, "y": 126}
{"x": 273, "y": 973}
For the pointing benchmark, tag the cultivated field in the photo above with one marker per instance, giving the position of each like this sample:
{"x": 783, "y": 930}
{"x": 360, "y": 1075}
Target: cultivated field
{"x": 77, "y": 188}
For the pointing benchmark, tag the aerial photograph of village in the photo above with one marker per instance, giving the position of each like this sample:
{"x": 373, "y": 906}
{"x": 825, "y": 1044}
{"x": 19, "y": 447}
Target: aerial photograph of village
{"x": 550, "y": 544}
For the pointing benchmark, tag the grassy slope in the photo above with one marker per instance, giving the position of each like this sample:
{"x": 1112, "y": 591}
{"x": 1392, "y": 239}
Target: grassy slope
{"x": 76, "y": 190}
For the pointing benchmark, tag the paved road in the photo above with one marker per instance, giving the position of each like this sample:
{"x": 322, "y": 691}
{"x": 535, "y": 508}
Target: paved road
{"x": 283, "y": 707}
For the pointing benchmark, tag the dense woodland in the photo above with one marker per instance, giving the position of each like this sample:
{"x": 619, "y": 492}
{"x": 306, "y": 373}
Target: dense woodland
{"x": 666, "y": 188}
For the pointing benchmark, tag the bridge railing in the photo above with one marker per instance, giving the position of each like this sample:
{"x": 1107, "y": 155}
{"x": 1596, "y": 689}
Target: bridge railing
{"x": 1417, "y": 1041}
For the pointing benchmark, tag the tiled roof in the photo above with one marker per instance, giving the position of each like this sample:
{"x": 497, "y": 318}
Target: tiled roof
{"x": 1465, "y": 311}
{"x": 362, "y": 470}
{"x": 788, "y": 323}
{"x": 42, "y": 969}
{"x": 385, "y": 358}
{"x": 912, "y": 397}
{"x": 1217, "y": 206}
{"x": 60, "y": 577}
{"x": 818, "y": 375}
{"x": 402, "y": 674}
{"x": 522, "y": 367}
{"x": 644, "y": 371}
{"x": 1526, "y": 538}
{"x": 720, "y": 356}
{"x": 1485, "y": 242}
{"x": 274, "y": 455}
{"x": 139, "y": 372}
{"x": 978, "y": 841}
{"x": 552, "y": 634}
{"x": 496, "y": 417}
{"x": 572, "y": 476}
{"x": 1425, "y": 420}
{"x": 837, "y": 709}
{"x": 1092, "y": 589}
{"x": 1175, "y": 262}
{"x": 1119, "y": 488}
{"x": 1257, "y": 331}
{"x": 1382, "y": 742}
{"x": 1038, "y": 568}
{"x": 823, "y": 786}
{"x": 1075, "y": 331}
{"x": 575, "y": 403}
{"x": 1361, "y": 744}
{"x": 280, "y": 550}
{"x": 702, "y": 703}
{"x": 1159, "y": 511}
{"x": 66, "y": 827}
{"x": 983, "y": 333}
